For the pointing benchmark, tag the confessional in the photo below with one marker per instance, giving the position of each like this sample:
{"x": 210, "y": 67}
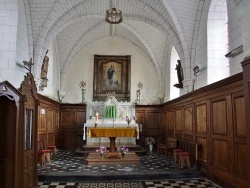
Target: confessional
{"x": 18, "y": 134}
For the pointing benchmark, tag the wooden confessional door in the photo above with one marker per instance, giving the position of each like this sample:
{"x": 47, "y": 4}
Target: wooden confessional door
{"x": 28, "y": 118}
{"x": 8, "y": 111}
{"x": 29, "y": 146}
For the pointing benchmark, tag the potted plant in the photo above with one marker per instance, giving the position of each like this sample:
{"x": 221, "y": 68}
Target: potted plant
{"x": 150, "y": 141}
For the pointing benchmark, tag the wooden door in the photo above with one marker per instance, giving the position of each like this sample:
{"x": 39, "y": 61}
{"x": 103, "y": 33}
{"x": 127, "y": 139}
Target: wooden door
{"x": 8, "y": 112}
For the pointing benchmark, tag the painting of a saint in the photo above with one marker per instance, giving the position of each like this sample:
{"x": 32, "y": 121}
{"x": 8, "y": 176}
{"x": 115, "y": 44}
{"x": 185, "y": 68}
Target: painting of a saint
{"x": 112, "y": 76}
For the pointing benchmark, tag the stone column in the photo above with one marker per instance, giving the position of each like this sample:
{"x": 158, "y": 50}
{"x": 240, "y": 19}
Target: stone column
{"x": 188, "y": 85}
{"x": 246, "y": 81}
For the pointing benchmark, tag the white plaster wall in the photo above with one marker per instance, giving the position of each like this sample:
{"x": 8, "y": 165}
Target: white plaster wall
{"x": 201, "y": 49}
{"x": 235, "y": 11}
{"x": 245, "y": 27}
{"x": 217, "y": 40}
{"x": 13, "y": 41}
{"x": 82, "y": 69}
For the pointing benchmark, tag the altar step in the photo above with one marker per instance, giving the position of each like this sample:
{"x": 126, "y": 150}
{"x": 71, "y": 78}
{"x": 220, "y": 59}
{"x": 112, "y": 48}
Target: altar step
{"x": 90, "y": 148}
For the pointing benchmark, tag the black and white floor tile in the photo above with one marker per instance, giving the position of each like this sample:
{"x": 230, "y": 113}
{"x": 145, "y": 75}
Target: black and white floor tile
{"x": 66, "y": 162}
{"x": 201, "y": 183}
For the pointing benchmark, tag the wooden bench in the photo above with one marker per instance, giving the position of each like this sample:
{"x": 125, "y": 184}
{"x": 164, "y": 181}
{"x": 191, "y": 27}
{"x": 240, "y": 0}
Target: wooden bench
{"x": 194, "y": 150}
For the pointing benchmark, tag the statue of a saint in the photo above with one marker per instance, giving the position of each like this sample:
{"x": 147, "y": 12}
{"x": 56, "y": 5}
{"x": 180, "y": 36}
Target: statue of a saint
{"x": 45, "y": 65}
{"x": 179, "y": 74}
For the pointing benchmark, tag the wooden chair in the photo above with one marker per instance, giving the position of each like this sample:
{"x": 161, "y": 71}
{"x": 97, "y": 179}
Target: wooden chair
{"x": 184, "y": 156}
{"x": 161, "y": 146}
{"x": 41, "y": 155}
{"x": 45, "y": 151}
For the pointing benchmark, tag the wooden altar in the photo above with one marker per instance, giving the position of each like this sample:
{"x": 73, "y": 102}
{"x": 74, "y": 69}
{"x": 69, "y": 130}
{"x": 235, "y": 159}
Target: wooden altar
{"x": 112, "y": 157}
{"x": 112, "y": 134}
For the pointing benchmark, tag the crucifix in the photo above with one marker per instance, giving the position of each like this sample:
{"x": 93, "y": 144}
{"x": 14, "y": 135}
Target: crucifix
{"x": 28, "y": 65}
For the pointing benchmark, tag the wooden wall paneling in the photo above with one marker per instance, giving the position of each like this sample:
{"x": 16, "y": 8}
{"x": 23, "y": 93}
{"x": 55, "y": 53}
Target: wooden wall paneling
{"x": 171, "y": 123}
{"x": 201, "y": 117}
{"x": 220, "y": 145}
{"x": 188, "y": 131}
{"x": 246, "y": 84}
{"x": 153, "y": 123}
{"x": 67, "y": 138}
{"x": 204, "y": 147}
{"x": 240, "y": 135}
{"x": 56, "y": 129}
{"x": 68, "y": 118}
{"x": 201, "y": 132}
{"x": 50, "y": 129}
{"x": 164, "y": 125}
{"x": 178, "y": 124}
{"x": 219, "y": 126}
{"x": 72, "y": 119}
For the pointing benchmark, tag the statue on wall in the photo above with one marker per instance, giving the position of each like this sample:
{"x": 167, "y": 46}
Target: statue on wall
{"x": 45, "y": 65}
{"x": 179, "y": 74}
{"x": 44, "y": 71}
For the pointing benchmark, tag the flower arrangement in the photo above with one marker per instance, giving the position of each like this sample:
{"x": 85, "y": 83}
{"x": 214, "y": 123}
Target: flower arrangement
{"x": 102, "y": 150}
{"x": 150, "y": 140}
{"x": 123, "y": 150}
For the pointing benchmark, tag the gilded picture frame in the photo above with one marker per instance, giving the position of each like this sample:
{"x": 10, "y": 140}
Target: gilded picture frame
{"x": 112, "y": 75}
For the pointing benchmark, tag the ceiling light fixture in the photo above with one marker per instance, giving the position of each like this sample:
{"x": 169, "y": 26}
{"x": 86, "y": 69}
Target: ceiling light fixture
{"x": 113, "y": 16}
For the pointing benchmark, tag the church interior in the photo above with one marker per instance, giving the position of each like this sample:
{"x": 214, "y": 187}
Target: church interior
{"x": 113, "y": 91}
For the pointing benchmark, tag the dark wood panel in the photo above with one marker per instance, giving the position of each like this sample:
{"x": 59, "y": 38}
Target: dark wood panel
{"x": 239, "y": 115}
{"x": 80, "y": 117}
{"x": 171, "y": 123}
{"x": 204, "y": 148}
{"x": 50, "y": 120}
{"x": 220, "y": 154}
{"x": 219, "y": 116}
{"x": 240, "y": 159}
{"x": 68, "y": 118}
{"x": 188, "y": 119}
{"x": 67, "y": 138}
{"x": 178, "y": 120}
{"x": 219, "y": 125}
{"x": 201, "y": 118}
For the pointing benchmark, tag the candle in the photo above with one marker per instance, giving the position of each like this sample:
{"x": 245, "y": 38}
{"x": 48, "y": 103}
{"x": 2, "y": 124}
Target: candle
{"x": 140, "y": 127}
{"x": 96, "y": 117}
{"x": 90, "y": 112}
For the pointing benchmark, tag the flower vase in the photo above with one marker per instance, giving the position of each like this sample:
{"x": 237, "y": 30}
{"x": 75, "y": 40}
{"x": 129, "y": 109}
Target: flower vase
{"x": 122, "y": 155}
{"x": 102, "y": 155}
{"x": 151, "y": 147}
{"x": 128, "y": 125}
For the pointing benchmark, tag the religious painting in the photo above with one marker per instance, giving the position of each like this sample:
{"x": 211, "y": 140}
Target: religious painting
{"x": 111, "y": 75}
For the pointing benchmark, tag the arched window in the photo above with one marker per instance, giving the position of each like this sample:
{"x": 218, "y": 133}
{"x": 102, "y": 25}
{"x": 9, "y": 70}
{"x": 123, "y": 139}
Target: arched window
{"x": 217, "y": 41}
{"x": 174, "y": 92}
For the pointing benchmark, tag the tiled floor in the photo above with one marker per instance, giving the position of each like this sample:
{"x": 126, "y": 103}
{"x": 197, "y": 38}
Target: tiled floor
{"x": 68, "y": 170}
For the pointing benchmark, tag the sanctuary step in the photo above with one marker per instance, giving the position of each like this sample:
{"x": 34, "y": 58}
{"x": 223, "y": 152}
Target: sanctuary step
{"x": 90, "y": 148}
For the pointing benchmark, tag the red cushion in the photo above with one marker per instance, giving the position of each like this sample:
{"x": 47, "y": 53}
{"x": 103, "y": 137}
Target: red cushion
{"x": 183, "y": 153}
{"x": 177, "y": 150}
{"x": 52, "y": 147}
{"x": 46, "y": 151}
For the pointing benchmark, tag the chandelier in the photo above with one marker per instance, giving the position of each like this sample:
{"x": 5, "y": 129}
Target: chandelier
{"x": 113, "y": 16}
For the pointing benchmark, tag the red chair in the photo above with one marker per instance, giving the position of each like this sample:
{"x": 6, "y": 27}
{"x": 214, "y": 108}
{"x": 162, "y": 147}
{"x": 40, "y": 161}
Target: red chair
{"x": 176, "y": 154}
{"x": 44, "y": 151}
{"x": 184, "y": 156}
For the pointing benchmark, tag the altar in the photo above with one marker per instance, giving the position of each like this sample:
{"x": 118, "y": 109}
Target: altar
{"x": 110, "y": 114}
